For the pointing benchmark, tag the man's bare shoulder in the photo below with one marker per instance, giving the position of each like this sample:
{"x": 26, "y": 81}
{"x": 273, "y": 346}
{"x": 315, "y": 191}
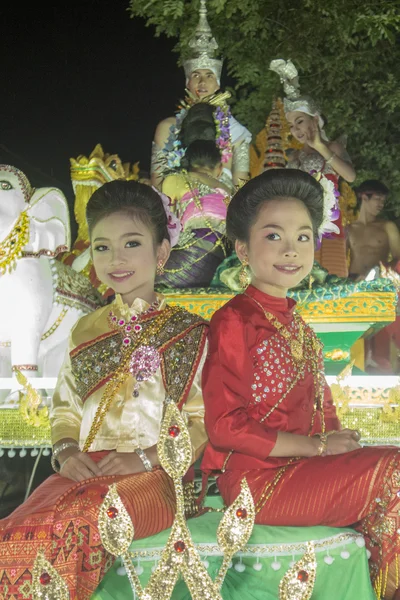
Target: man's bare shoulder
{"x": 390, "y": 226}
{"x": 354, "y": 226}
{"x": 168, "y": 121}
{"x": 162, "y": 130}
{"x": 378, "y": 223}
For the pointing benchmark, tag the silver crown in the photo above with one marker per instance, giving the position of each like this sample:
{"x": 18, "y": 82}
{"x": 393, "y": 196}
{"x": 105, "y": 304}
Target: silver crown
{"x": 290, "y": 79}
{"x": 204, "y": 46}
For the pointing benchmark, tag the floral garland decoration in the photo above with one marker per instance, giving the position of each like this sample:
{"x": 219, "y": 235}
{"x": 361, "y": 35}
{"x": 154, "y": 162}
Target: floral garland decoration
{"x": 223, "y": 138}
{"x": 331, "y": 210}
{"x": 173, "y": 149}
{"x": 174, "y": 224}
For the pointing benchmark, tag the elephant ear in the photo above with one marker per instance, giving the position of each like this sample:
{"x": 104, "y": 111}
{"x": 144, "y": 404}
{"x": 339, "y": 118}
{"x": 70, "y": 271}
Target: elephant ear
{"x": 49, "y": 218}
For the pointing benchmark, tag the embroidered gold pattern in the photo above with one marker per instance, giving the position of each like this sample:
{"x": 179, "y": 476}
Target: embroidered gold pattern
{"x": 94, "y": 363}
{"x": 180, "y": 557}
{"x": 180, "y": 357}
{"x": 46, "y": 582}
{"x": 154, "y": 327}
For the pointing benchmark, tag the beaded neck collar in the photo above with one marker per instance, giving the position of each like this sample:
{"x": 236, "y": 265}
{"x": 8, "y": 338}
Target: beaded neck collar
{"x": 272, "y": 303}
{"x": 128, "y": 320}
{"x": 139, "y": 308}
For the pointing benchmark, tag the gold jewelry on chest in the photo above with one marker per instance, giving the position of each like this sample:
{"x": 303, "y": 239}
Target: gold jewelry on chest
{"x": 306, "y": 350}
{"x": 296, "y": 345}
{"x": 141, "y": 340}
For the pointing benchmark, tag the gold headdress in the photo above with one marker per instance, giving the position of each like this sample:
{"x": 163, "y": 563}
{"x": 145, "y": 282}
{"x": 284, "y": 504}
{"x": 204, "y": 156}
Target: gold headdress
{"x": 204, "y": 46}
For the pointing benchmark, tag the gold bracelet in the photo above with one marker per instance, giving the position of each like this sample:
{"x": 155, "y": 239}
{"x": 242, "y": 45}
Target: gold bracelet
{"x": 54, "y": 457}
{"x": 323, "y": 444}
{"x": 145, "y": 459}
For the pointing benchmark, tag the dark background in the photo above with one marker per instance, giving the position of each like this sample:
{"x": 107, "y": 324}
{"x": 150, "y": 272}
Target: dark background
{"x": 77, "y": 74}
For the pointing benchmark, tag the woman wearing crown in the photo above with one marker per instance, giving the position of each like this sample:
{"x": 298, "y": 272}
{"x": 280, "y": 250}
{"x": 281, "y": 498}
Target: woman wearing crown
{"x": 325, "y": 159}
{"x": 203, "y": 74}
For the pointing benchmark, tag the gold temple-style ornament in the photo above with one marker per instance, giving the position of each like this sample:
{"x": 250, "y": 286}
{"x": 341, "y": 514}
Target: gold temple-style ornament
{"x": 115, "y": 525}
{"x": 47, "y": 584}
{"x": 235, "y": 528}
{"x": 30, "y": 402}
{"x": 298, "y": 582}
{"x": 180, "y": 558}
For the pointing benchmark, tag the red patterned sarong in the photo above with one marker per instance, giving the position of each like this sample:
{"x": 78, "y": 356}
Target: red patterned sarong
{"x": 60, "y": 518}
{"x": 360, "y": 489}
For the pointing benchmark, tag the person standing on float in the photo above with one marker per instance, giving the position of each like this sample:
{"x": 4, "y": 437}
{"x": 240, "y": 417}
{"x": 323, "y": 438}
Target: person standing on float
{"x": 203, "y": 81}
{"x": 319, "y": 157}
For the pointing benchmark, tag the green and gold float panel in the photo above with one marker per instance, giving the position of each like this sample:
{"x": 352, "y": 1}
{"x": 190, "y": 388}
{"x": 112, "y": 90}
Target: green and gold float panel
{"x": 338, "y": 321}
{"x": 341, "y": 322}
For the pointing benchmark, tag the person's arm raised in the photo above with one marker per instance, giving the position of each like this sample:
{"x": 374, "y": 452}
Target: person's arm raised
{"x": 394, "y": 240}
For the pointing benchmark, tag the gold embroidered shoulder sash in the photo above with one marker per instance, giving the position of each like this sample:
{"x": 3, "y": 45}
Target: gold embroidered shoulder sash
{"x": 180, "y": 342}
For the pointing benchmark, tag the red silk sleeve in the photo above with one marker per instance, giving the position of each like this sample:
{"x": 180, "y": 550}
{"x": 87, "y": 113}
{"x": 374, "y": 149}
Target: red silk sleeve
{"x": 332, "y": 422}
{"x": 227, "y": 380}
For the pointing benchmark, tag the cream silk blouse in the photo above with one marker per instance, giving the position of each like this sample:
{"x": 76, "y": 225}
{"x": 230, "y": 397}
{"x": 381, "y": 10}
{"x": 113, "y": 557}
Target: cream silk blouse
{"x": 131, "y": 422}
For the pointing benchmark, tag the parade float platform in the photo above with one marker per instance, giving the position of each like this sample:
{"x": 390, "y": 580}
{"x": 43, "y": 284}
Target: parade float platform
{"x": 341, "y": 315}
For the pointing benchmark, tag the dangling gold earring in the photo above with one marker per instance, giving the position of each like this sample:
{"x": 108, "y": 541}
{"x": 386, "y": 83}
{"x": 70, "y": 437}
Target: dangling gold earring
{"x": 310, "y": 282}
{"x": 160, "y": 268}
{"x": 244, "y": 276}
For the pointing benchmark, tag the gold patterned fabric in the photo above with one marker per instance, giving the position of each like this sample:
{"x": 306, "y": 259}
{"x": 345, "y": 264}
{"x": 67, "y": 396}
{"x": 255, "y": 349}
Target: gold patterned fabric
{"x": 94, "y": 354}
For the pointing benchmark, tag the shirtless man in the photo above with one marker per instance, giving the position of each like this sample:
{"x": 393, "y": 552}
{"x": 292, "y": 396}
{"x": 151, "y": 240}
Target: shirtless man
{"x": 371, "y": 239}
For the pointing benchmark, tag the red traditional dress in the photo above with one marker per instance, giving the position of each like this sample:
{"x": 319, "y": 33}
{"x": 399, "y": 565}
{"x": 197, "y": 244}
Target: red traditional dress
{"x": 253, "y": 387}
{"x": 61, "y": 517}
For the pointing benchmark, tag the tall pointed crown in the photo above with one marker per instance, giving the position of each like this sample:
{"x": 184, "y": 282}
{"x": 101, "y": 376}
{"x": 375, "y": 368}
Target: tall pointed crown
{"x": 203, "y": 45}
{"x": 290, "y": 79}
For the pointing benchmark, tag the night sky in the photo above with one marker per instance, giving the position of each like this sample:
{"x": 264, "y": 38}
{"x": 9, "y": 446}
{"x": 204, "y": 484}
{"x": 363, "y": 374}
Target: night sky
{"x": 78, "y": 74}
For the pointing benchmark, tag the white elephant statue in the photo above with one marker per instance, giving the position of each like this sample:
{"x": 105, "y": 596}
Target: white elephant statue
{"x": 40, "y": 298}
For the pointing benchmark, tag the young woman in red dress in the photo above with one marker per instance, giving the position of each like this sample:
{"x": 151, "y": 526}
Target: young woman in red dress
{"x": 269, "y": 411}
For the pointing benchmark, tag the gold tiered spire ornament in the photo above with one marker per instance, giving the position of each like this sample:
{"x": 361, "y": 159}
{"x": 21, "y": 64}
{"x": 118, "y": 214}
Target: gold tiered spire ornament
{"x": 277, "y": 131}
{"x": 180, "y": 557}
{"x": 269, "y": 150}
